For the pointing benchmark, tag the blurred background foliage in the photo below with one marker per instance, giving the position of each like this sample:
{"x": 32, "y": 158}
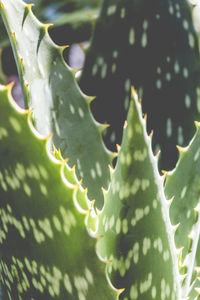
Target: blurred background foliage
{"x": 73, "y": 22}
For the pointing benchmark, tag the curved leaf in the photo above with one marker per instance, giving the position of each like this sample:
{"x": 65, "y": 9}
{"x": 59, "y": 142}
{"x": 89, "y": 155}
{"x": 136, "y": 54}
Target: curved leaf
{"x": 184, "y": 184}
{"x": 58, "y": 104}
{"x": 45, "y": 249}
{"x": 156, "y": 50}
{"x": 137, "y": 240}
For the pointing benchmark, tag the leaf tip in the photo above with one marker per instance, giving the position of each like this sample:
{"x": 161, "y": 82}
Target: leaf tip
{"x": 30, "y": 5}
{"x": 174, "y": 228}
{"x": 180, "y": 149}
{"x": 125, "y": 124}
{"x": 120, "y": 291}
{"x": 151, "y": 134}
{"x": 118, "y": 148}
{"x": 157, "y": 154}
{"x": 197, "y": 124}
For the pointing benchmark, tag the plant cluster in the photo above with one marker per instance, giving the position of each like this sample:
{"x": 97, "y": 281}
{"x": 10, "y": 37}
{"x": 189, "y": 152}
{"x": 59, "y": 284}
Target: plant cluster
{"x": 77, "y": 219}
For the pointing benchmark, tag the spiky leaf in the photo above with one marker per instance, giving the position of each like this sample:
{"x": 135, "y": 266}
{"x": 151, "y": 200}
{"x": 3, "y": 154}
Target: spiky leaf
{"x": 156, "y": 50}
{"x": 72, "y": 18}
{"x": 137, "y": 234}
{"x": 58, "y": 104}
{"x": 184, "y": 184}
{"x": 45, "y": 249}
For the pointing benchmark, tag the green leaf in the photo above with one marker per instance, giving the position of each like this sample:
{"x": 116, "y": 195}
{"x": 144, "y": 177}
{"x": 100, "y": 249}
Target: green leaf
{"x": 184, "y": 184}
{"x": 156, "y": 50}
{"x": 58, "y": 105}
{"x": 45, "y": 249}
{"x": 69, "y": 17}
{"x": 137, "y": 236}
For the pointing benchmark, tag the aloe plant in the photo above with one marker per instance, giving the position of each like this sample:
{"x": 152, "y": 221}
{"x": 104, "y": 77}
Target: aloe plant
{"x": 74, "y": 224}
{"x": 74, "y": 18}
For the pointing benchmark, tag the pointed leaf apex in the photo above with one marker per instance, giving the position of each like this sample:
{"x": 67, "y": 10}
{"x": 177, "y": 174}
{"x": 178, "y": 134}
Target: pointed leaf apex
{"x": 151, "y": 134}
{"x": 26, "y": 84}
{"x": 190, "y": 242}
{"x": 197, "y": 124}
{"x": 174, "y": 228}
{"x": 157, "y": 154}
{"x": 98, "y": 211}
{"x": 114, "y": 154}
{"x": 29, "y": 5}
{"x": 172, "y": 199}
{"x": 47, "y": 26}
{"x": 118, "y": 147}
{"x": 134, "y": 92}
{"x": 56, "y": 152}
{"x": 21, "y": 60}
{"x": 104, "y": 191}
{"x": 63, "y": 47}
{"x": 92, "y": 202}
{"x": 77, "y": 72}
{"x": 92, "y": 98}
{"x": 10, "y": 85}
{"x": 125, "y": 125}
{"x": 13, "y": 36}
{"x": 65, "y": 160}
{"x": 169, "y": 202}
{"x": 103, "y": 127}
{"x": 180, "y": 149}
{"x": 111, "y": 169}
{"x": 49, "y": 136}
{"x": 120, "y": 291}
{"x": 164, "y": 172}
{"x": 180, "y": 250}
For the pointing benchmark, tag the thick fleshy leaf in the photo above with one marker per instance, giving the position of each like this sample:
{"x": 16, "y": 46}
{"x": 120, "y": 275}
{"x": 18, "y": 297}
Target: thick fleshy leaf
{"x": 58, "y": 104}
{"x": 72, "y": 19}
{"x": 154, "y": 47}
{"x": 45, "y": 249}
{"x": 138, "y": 239}
{"x": 184, "y": 184}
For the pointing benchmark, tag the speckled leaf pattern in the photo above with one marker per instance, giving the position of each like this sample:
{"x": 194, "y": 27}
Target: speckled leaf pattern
{"x": 153, "y": 46}
{"x": 58, "y": 104}
{"x": 45, "y": 249}
{"x": 137, "y": 240}
{"x": 184, "y": 184}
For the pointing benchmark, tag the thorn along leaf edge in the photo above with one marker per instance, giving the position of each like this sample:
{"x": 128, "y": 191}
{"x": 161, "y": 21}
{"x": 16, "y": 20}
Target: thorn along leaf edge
{"x": 122, "y": 226}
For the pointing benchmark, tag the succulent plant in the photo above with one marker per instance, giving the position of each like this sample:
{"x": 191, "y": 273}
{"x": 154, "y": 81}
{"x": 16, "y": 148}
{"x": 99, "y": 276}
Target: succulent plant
{"x": 74, "y": 224}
